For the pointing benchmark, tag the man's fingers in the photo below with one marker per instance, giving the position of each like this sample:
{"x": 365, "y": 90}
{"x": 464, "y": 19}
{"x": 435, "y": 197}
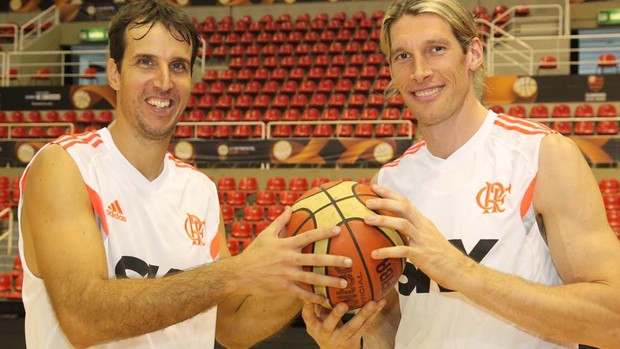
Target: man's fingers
{"x": 317, "y": 259}
{"x": 279, "y": 224}
{"x": 307, "y": 296}
{"x": 311, "y": 278}
{"x": 334, "y": 318}
{"x": 311, "y": 236}
{"x": 362, "y": 319}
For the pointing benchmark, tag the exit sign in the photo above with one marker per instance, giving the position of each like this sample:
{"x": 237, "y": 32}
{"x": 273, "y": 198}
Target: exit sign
{"x": 608, "y": 17}
{"x": 94, "y": 35}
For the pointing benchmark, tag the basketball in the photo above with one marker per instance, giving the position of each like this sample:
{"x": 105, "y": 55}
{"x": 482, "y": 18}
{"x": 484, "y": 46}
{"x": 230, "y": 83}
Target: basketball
{"x": 342, "y": 203}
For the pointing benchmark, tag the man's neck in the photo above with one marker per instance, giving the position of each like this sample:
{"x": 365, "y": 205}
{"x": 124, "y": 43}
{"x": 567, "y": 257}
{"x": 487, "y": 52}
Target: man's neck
{"x": 443, "y": 139}
{"x": 147, "y": 156}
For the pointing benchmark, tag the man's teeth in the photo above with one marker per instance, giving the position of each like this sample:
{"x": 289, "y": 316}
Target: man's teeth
{"x": 161, "y": 104}
{"x": 427, "y": 93}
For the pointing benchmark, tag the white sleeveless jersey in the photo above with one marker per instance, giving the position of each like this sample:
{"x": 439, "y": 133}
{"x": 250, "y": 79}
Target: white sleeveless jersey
{"x": 480, "y": 199}
{"x": 149, "y": 229}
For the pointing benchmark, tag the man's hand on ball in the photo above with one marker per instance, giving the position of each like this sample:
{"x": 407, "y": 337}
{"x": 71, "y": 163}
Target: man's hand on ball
{"x": 327, "y": 329}
{"x": 273, "y": 264}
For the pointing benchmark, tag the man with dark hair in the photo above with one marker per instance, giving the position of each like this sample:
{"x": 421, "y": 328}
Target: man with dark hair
{"x": 123, "y": 246}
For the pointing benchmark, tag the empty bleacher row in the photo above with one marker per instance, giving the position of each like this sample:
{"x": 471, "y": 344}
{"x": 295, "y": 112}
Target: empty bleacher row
{"x": 51, "y": 124}
{"x": 288, "y": 119}
{"x": 579, "y": 119}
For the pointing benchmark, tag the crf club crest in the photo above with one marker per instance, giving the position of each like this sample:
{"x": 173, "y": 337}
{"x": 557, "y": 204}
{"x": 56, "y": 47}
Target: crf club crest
{"x": 195, "y": 229}
{"x": 492, "y": 196}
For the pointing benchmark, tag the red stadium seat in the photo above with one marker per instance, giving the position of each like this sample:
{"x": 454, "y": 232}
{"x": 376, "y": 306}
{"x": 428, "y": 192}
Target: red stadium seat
{"x": 607, "y": 60}
{"x": 281, "y": 130}
{"x": 226, "y": 183}
{"x": 270, "y": 87}
{"x": 539, "y": 111}
{"x": 396, "y": 101}
{"x": 272, "y": 115}
{"x": 276, "y": 183}
{"x": 402, "y": 130}
{"x": 280, "y": 74}
{"x": 547, "y": 62}
{"x": 242, "y": 131}
{"x": 206, "y": 102}
{"x": 331, "y": 114}
{"x": 607, "y": 127}
{"x": 289, "y": 87}
{"x": 215, "y": 115}
{"x": 302, "y": 131}
{"x": 376, "y": 100}
{"x": 236, "y": 198}
{"x": 609, "y": 185}
{"x": 517, "y": 111}
{"x": 390, "y": 114}
{"x": 325, "y": 86}
{"x": 253, "y": 115}
{"x": 308, "y": 87}
{"x": 584, "y": 127}
{"x": 344, "y": 130}
{"x": 241, "y": 229}
{"x": 363, "y": 130}
{"x": 228, "y": 213}
{"x": 310, "y": 114}
{"x": 204, "y": 131}
{"x": 318, "y": 100}
{"x": 370, "y": 114}
{"x": 322, "y": 130}
{"x": 261, "y": 101}
{"x": 385, "y": 130}
{"x": 298, "y": 184}
{"x": 356, "y": 100}
{"x": 288, "y": 197}
{"x": 612, "y": 201}
{"x": 274, "y": 211}
{"x": 254, "y": 213}
{"x": 265, "y": 197}
{"x": 222, "y": 131}
{"x": 104, "y": 117}
{"x": 291, "y": 114}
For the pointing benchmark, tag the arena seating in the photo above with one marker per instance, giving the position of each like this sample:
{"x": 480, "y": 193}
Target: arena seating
{"x": 267, "y": 74}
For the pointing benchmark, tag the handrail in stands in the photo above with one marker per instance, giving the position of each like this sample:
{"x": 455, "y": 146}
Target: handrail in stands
{"x": 34, "y": 27}
{"x": 56, "y": 61}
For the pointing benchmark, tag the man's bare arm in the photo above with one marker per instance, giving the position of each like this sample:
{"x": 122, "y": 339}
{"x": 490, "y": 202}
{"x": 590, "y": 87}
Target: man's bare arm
{"x": 63, "y": 246}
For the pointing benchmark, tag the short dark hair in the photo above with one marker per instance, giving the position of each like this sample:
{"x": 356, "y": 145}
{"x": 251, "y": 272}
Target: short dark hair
{"x": 150, "y": 12}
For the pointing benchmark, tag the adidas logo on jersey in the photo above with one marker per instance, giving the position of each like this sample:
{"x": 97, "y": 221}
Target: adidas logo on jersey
{"x": 114, "y": 210}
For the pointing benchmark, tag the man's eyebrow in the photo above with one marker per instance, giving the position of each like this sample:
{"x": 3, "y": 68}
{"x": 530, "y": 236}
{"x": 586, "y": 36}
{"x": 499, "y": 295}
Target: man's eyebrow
{"x": 429, "y": 42}
{"x": 154, "y": 57}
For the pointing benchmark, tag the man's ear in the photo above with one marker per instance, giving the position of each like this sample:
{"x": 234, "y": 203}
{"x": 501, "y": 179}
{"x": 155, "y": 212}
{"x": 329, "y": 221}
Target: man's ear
{"x": 476, "y": 51}
{"x": 114, "y": 78}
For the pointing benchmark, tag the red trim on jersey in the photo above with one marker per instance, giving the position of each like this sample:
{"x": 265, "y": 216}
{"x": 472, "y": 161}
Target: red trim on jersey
{"x": 93, "y": 138}
{"x": 22, "y": 182}
{"x": 522, "y": 126}
{"x": 411, "y": 150}
{"x": 528, "y": 198}
{"x": 182, "y": 164}
{"x": 95, "y": 200}
{"x": 215, "y": 246}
